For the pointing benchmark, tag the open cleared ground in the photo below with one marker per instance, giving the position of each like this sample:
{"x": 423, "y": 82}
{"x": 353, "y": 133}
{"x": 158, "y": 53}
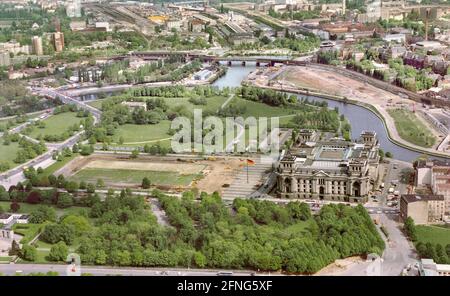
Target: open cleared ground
{"x": 120, "y": 176}
{"x": 56, "y": 124}
{"x": 8, "y": 152}
{"x": 433, "y": 234}
{"x": 186, "y": 168}
{"x": 411, "y": 128}
{"x": 207, "y": 175}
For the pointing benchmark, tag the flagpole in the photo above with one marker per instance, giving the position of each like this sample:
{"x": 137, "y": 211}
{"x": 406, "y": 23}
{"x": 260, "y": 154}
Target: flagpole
{"x": 246, "y": 161}
{"x": 247, "y": 169}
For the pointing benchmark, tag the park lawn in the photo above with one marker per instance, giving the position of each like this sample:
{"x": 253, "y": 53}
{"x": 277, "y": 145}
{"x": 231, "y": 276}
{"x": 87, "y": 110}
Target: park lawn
{"x": 44, "y": 245}
{"x": 134, "y": 176}
{"x": 8, "y": 153}
{"x": 143, "y": 134}
{"x": 28, "y": 231}
{"x": 24, "y": 207}
{"x": 257, "y": 109}
{"x": 213, "y": 103}
{"x": 56, "y": 124}
{"x": 41, "y": 257}
{"x": 433, "y": 234}
{"x": 5, "y": 259}
{"x": 411, "y": 129}
{"x": 97, "y": 103}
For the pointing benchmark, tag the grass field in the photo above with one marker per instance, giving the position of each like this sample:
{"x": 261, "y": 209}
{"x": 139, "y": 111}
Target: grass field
{"x": 411, "y": 129}
{"x": 28, "y": 231}
{"x": 256, "y": 109}
{"x": 134, "y": 176}
{"x": 433, "y": 234}
{"x": 213, "y": 103}
{"x": 5, "y": 259}
{"x": 56, "y": 124}
{"x": 97, "y": 103}
{"x": 139, "y": 135}
{"x": 151, "y": 133}
{"x": 8, "y": 153}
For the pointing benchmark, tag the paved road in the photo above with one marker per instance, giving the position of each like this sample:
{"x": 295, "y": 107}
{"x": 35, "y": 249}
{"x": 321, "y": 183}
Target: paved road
{"x": 399, "y": 251}
{"x": 11, "y": 269}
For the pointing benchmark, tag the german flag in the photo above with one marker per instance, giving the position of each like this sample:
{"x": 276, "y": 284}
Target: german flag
{"x": 250, "y": 162}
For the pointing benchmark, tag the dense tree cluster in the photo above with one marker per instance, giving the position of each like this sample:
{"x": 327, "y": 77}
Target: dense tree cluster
{"x": 207, "y": 234}
{"x": 115, "y": 113}
{"x": 327, "y": 56}
{"x": 229, "y": 241}
{"x": 302, "y": 45}
{"x": 436, "y": 252}
{"x": 403, "y": 75}
{"x": 269, "y": 97}
{"x": 295, "y": 15}
{"x": 252, "y": 234}
{"x": 15, "y": 99}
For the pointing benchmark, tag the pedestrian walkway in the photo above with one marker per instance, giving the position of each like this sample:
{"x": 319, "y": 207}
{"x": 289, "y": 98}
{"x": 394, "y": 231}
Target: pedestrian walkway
{"x": 240, "y": 187}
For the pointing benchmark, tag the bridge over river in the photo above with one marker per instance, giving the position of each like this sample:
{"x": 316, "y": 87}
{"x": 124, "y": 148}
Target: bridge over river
{"x": 242, "y": 60}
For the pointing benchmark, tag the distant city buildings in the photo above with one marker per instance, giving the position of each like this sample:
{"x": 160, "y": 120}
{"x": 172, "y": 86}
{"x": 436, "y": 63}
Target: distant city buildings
{"x": 15, "y": 48}
{"x": 434, "y": 176}
{"x": 73, "y": 9}
{"x": 37, "y": 45}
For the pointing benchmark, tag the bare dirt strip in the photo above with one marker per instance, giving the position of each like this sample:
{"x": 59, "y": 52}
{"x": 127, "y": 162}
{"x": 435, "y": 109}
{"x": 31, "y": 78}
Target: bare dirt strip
{"x": 217, "y": 172}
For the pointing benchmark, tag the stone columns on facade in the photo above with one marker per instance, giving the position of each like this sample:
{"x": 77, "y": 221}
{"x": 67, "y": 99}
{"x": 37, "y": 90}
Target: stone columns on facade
{"x": 294, "y": 187}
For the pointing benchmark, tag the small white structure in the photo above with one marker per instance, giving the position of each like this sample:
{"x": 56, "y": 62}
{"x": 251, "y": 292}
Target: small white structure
{"x": 399, "y": 38}
{"x": 102, "y": 25}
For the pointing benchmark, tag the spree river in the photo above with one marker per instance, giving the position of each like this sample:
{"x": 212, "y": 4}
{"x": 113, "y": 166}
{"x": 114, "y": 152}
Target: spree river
{"x": 360, "y": 118}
